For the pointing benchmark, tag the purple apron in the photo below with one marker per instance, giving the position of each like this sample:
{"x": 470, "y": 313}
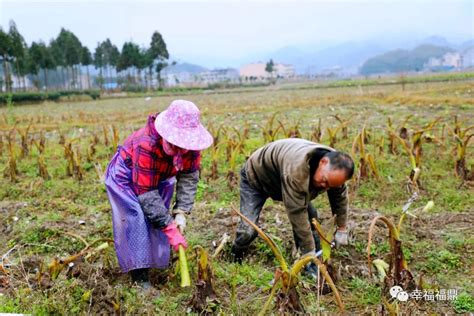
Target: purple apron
{"x": 137, "y": 244}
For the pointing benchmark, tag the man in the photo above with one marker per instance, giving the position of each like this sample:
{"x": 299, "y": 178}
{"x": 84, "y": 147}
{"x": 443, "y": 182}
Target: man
{"x": 294, "y": 171}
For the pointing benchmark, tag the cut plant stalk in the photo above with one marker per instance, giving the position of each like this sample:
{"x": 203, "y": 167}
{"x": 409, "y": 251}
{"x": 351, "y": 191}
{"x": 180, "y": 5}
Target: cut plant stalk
{"x": 343, "y": 125}
{"x": 204, "y": 299}
{"x": 115, "y": 138}
{"x": 24, "y": 141}
{"x": 286, "y": 279}
{"x": 365, "y": 160}
{"x": 183, "y": 267}
{"x": 57, "y": 265}
{"x": 269, "y": 131}
{"x": 462, "y": 139}
{"x": 332, "y": 134}
{"x": 316, "y": 132}
{"x": 12, "y": 170}
{"x": 216, "y": 133}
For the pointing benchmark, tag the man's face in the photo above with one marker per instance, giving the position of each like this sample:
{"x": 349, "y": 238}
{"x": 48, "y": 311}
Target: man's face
{"x": 324, "y": 178}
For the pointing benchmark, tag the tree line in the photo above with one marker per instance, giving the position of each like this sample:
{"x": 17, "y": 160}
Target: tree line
{"x": 60, "y": 63}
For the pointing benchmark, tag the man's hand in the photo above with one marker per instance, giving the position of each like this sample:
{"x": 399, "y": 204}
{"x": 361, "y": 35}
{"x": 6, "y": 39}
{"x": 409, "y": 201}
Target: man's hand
{"x": 342, "y": 237}
{"x": 180, "y": 219}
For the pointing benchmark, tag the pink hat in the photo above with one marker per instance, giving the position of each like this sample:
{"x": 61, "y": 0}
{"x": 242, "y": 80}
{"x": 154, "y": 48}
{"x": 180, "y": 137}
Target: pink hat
{"x": 179, "y": 125}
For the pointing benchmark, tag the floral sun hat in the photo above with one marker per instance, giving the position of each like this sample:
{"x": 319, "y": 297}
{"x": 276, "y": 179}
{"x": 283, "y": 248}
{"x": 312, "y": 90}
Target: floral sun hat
{"x": 180, "y": 125}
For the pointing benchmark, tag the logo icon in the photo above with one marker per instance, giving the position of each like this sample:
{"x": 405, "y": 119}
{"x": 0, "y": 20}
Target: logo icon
{"x": 398, "y": 293}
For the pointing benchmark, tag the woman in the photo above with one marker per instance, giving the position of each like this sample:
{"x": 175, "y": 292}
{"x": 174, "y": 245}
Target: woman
{"x": 140, "y": 181}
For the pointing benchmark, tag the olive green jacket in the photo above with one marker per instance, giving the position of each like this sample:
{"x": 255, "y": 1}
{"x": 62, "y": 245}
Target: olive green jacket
{"x": 281, "y": 170}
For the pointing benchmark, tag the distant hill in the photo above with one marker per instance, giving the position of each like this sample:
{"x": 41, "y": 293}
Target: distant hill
{"x": 352, "y": 55}
{"x": 403, "y": 60}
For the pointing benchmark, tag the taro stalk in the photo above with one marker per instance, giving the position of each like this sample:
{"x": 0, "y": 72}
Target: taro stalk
{"x": 239, "y": 143}
{"x": 413, "y": 182}
{"x": 95, "y": 138}
{"x": 292, "y": 132}
{"x": 246, "y": 130}
{"x": 91, "y": 150}
{"x": 462, "y": 141}
{"x": 24, "y": 141}
{"x": 42, "y": 169}
{"x": 231, "y": 177}
{"x": 326, "y": 240}
{"x": 397, "y": 272}
{"x": 204, "y": 299}
{"x": 57, "y": 265}
{"x": 69, "y": 156}
{"x": 216, "y": 133}
{"x": 418, "y": 138}
{"x": 62, "y": 139}
{"x": 316, "y": 132}
{"x": 392, "y": 147}
{"x": 42, "y": 142}
{"x": 286, "y": 279}
{"x": 381, "y": 144}
{"x": 12, "y": 170}
{"x": 115, "y": 138}
{"x": 106, "y": 136}
{"x": 269, "y": 130}
{"x": 343, "y": 124}
{"x": 366, "y": 160}
{"x": 183, "y": 267}
{"x": 403, "y": 131}
{"x": 327, "y": 243}
{"x": 77, "y": 169}
{"x": 332, "y": 133}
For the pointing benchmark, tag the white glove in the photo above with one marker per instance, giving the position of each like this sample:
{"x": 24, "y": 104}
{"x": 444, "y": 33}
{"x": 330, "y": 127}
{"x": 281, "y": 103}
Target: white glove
{"x": 341, "y": 238}
{"x": 180, "y": 220}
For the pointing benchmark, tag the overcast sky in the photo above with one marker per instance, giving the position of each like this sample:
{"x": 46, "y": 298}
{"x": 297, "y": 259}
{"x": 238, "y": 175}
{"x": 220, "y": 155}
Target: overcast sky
{"x": 225, "y": 30}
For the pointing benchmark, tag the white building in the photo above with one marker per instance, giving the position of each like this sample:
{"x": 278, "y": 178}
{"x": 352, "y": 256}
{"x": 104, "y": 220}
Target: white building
{"x": 219, "y": 75}
{"x": 18, "y": 83}
{"x": 450, "y": 60}
{"x": 467, "y": 57}
{"x": 256, "y": 71}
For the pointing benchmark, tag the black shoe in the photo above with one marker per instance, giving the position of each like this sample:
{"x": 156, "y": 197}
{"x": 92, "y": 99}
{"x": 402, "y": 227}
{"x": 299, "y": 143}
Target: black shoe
{"x": 140, "y": 275}
{"x": 237, "y": 254}
{"x": 311, "y": 271}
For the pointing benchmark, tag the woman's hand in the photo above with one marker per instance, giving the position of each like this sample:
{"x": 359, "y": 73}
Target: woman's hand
{"x": 175, "y": 238}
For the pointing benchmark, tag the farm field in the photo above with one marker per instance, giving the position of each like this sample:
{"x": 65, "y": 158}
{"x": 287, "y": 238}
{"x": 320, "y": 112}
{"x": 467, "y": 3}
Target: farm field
{"x": 54, "y": 204}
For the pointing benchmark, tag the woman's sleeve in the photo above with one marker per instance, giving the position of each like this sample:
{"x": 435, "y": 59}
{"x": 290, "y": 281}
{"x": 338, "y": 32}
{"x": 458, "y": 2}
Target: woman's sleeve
{"x": 145, "y": 178}
{"x": 187, "y": 181}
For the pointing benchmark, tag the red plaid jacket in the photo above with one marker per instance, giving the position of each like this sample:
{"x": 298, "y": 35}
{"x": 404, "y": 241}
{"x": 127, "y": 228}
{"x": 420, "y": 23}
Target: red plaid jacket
{"x": 143, "y": 153}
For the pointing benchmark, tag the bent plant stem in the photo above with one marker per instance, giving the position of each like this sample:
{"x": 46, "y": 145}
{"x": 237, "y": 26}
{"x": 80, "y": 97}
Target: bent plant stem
{"x": 268, "y": 240}
{"x": 289, "y": 277}
{"x": 204, "y": 296}
{"x": 398, "y": 262}
{"x": 57, "y": 265}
